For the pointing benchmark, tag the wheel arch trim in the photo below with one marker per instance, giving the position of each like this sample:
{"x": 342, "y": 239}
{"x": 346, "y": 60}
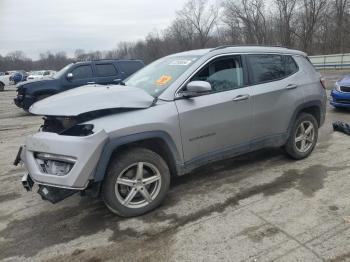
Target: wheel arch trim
{"x": 306, "y": 105}
{"x": 113, "y": 144}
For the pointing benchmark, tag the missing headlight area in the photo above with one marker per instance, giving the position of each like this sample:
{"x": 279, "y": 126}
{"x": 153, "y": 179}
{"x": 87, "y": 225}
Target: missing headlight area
{"x": 71, "y": 126}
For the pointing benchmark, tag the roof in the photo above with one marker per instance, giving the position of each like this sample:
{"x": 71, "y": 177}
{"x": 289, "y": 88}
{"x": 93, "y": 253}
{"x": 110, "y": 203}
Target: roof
{"x": 196, "y": 52}
{"x": 242, "y": 49}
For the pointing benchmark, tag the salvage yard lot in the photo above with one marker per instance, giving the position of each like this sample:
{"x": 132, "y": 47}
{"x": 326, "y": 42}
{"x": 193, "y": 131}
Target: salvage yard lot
{"x": 258, "y": 207}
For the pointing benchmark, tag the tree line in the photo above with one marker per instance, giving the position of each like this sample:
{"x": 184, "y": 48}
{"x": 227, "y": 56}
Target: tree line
{"x": 314, "y": 26}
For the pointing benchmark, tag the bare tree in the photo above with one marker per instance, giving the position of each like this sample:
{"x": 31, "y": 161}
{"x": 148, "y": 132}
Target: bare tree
{"x": 232, "y": 29}
{"x": 286, "y": 10}
{"x": 202, "y": 16}
{"x": 182, "y": 32}
{"x": 16, "y": 55}
{"x": 341, "y": 8}
{"x": 310, "y": 19}
{"x": 251, "y": 17}
{"x": 315, "y": 26}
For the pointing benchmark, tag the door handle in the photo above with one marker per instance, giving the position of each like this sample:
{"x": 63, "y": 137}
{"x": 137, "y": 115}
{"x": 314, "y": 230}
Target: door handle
{"x": 291, "y": 86}
{"x": 90, "y": 83}
{"x": 241, "y": 97}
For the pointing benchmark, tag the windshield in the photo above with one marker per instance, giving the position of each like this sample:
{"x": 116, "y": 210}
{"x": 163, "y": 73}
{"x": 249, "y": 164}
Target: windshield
{"x": 158, "y": 76}
{"x": 62, "y": 72}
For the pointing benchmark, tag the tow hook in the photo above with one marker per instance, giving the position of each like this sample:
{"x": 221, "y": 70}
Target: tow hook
{"x": 27, "y": 182}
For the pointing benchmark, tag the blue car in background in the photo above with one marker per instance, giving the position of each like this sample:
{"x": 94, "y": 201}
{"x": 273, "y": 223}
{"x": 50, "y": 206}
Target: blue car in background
{"x": 341, "y": 93}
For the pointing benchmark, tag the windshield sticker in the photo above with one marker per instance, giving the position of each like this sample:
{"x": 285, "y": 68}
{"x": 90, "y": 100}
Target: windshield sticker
{"x": 163, "y": 80}
{"x": 181, "y": 62}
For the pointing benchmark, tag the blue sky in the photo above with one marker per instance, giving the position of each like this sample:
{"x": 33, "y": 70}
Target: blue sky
{"x": 36, "y": 26}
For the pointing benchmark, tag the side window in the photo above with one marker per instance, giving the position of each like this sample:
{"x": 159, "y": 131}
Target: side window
{"x": 82, "y": 72}
{"x": 267, "y": 68}
{"x": 290, "y": 65}
{"x": 223, "y": 74}
{"x": 130, "y": 67}
{"x": 106, "y": 70}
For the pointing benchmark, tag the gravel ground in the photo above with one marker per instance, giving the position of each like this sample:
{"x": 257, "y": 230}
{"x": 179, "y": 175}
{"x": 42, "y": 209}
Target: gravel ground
{"x": 258, "y": 207}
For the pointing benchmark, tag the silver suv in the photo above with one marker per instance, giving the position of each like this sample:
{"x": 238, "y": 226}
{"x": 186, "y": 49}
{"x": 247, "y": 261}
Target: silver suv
{"x": 125, "y": 142}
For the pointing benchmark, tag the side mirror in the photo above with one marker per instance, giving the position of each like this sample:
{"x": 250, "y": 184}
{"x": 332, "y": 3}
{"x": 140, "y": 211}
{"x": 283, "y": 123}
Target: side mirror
{"x": 70, "y": 76}
{"x": 196, "y": 88}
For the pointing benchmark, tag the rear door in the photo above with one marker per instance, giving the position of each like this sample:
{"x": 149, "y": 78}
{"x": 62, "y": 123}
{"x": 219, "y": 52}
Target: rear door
{"x": 276, "y": 92}
{"x": 82, "y": 75}
{"x": 106, "y": 73}
{"x": 220, "y": 121}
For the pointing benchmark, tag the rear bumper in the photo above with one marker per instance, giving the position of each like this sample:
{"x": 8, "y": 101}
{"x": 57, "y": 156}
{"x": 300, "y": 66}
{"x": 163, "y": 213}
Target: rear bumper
{"x": 86, "y": 151}
{"x": 340, "y": 99}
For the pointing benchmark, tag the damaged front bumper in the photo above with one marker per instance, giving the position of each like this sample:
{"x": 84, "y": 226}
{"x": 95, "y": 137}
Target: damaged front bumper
{"x": 60, "y": 165}
{"x": 49, "y": 193}
{"x": 24, "y": 101}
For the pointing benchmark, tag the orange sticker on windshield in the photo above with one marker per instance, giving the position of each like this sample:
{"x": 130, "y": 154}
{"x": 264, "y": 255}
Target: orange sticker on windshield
{"x": 163, "y": 80}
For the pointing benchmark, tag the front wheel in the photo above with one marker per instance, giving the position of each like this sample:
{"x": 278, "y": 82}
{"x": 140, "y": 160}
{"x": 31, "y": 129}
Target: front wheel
{"x": 303, "y": 137}
{"x": 136, "y": 182}
{"x": 2, "y": 87}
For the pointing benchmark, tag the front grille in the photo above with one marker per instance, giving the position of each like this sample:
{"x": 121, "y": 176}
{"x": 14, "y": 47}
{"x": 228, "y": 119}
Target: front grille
{"x": 345, "y": 88}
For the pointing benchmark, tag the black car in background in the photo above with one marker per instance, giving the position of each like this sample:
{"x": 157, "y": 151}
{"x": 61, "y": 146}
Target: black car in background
{"x": 77, "y": 74}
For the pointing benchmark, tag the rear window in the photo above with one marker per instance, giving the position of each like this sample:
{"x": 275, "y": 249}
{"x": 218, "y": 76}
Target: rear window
{"x": 106, "y": 70}
{"x": 130, "y": 67}
{"x": 267, "y": 67}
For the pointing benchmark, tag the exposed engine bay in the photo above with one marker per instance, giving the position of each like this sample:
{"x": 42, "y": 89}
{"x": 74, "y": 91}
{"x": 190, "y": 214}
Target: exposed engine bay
{"x": 71, "y": 125}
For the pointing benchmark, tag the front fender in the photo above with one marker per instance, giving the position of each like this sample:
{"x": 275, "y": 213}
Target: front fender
{"x": 115, "y": 143}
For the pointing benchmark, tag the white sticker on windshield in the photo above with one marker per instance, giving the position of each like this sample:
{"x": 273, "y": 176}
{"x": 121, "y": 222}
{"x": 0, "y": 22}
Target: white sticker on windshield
{"x": 181, "y": 62}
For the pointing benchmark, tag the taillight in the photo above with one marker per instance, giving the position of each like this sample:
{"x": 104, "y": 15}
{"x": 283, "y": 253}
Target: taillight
{"x": 323, "y": 82}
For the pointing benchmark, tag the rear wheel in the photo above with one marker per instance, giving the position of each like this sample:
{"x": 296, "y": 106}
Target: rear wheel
{"x": 2, "y": 87}
{"x": 303, "y": 137}
{"x": 136, "y": 182}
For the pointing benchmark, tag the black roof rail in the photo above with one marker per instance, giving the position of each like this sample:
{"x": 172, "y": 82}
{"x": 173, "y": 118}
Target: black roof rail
{"x": 248, "y": 45}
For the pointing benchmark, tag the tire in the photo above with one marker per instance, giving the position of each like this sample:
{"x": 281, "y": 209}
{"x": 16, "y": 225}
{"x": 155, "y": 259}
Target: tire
{"x": 127, "y": 198}
{"x": 303, "y": 137}
{"x": 2, "y": 87}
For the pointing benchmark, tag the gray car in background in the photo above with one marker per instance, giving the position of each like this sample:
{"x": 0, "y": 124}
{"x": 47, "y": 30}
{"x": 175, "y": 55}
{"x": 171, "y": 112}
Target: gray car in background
{"x": 125, "y": 142}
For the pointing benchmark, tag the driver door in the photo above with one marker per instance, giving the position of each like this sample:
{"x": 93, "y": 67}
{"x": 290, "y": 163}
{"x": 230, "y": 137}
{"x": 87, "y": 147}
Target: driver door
{"x": 82, "y": 75}
{"x": 219, "y": 122}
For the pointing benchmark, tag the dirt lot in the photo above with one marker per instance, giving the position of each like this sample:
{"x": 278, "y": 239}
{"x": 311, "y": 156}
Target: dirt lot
{"x": 258, "y": 207}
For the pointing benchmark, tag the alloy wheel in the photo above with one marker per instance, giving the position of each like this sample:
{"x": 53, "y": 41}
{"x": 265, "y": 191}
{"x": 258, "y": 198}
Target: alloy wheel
{"x": 138, "y": 185}
{"x": 305, "y": 136}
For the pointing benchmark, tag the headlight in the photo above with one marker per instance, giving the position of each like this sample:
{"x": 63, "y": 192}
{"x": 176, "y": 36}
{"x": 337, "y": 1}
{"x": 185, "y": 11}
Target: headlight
{"x": 19, "y": 90}
{"x": 337, "y": 87}
{"x": 53, "y": 164}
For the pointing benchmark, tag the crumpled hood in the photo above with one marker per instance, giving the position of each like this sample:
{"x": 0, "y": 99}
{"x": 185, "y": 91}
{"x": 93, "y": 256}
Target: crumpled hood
{"x": 91, "y": 98}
